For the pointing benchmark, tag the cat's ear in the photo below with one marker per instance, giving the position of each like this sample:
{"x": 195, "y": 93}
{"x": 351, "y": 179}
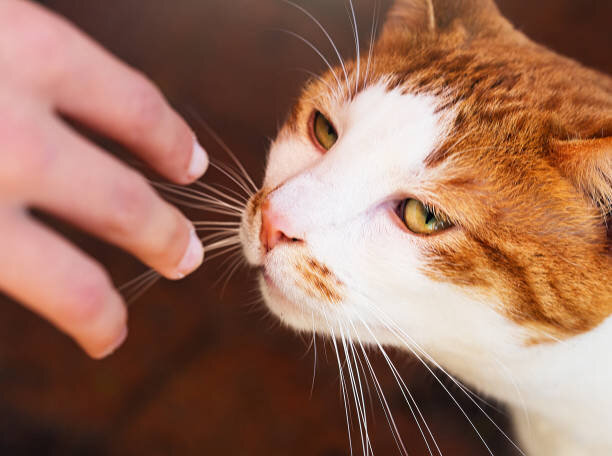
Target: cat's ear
{"x": 415, "y": 15}
{"x": 587, "y": 163}
{"x": 419, "y": 17}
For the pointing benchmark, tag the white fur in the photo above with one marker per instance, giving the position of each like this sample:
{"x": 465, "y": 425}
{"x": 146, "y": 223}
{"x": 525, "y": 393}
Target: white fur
{"x": 342, "y": 205}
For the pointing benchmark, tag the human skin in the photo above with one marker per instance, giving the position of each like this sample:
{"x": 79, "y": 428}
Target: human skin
{"x": 49, "y": 70}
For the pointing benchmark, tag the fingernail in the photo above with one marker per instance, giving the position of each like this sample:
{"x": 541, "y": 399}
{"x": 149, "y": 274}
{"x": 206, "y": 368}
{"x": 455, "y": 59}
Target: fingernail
{"x": 199, "y": 161}
{"x": 193, "y": 256}
{"x": 118, "y": 343}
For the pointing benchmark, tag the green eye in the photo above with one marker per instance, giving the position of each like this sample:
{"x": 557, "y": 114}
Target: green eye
{"x": 323, "y": 131}
{"x": 419, "y": 219}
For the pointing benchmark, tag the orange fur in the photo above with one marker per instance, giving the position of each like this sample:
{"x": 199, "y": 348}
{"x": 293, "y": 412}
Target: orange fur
{"x": 318, "y": 280}
{"x": 526, "y": 171}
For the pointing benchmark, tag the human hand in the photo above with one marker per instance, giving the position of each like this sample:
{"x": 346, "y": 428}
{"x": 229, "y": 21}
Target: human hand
{"x": 47, "y": 69}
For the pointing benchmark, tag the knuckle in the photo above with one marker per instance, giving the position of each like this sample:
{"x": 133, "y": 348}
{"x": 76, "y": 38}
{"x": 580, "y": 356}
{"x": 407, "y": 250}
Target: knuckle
{"x": 46, "y": 38}
{"x": 37, "y": 160}
{"x": 29, "y": 157}
{"x": 129, "y": 207}
{"x": 38, "y": 35}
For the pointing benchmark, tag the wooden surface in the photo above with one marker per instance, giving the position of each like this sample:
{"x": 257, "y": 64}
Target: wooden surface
{"x": 208, "y": 374}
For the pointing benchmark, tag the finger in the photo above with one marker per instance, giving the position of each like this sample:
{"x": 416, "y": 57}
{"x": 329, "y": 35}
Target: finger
{"x": 60, "y": 283}
{"x": 90, "y": 188}
{"x": 91, "y": 85}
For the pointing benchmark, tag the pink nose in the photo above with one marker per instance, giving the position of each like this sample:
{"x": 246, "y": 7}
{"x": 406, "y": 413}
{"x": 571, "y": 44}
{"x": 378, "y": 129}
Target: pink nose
{"x": 274, "y": 228}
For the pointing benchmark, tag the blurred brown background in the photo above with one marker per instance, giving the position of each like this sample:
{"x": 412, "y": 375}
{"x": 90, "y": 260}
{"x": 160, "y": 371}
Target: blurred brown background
{"x": 203, "y": 373}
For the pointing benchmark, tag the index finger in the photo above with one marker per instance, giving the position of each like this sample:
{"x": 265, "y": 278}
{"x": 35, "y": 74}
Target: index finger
{"x": 96, "y": 88}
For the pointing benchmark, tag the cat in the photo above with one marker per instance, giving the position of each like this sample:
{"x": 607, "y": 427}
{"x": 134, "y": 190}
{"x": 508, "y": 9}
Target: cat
{"x": 450, "y": 193}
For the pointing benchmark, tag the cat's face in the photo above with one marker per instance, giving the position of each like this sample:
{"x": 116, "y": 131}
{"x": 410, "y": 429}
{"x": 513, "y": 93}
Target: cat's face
{"x": 426, "y": 196}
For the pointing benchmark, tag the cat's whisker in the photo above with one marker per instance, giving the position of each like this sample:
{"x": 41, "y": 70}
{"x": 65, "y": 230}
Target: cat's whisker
{"x": 203, "y": 207}
{"x": 375, "y": 15}
{"x": 314, "y": 344}
{"x": 146, "y": 286}
{"x": 233, "y": 176}
{"x": 206, "y": 207}
{"x": 352, "y": 387}
{"x": 230, "y": 193}
{"x": 232, "y": 240}
{"x": 409, "y": 343}
{"x": 316, "y": 77}
{"x": 226, "y": 249}
{"x": 127, "y": 289}
{"x": 232, "y": 268}
{"x": 519, "y": 394}
{"x": 461, "y": 409}
{"x": 358, "y": 371}
{"x": 228, "y": 203}
{"x": 230, "y": 258}
{"x": 135, "y": 280}
{"x": 136, "y": 287}
{"x": 214, "y": 223}
{"x": 226, "y": 276}
{"x": 357, "y": 393}
{"x": 197, "y": 195}
{"x": 367, "y": 383}
{"x": 202, "y": 203}
{"x": 329, "y": 38}
{"x": 314, "y": 48}
{"x": 316, "y": 99}
{"x": 241, "y": 177}
{"x": 384, "y": 404}
{"x": 342, "y": 383}
{"x": 406, "y": 393}
{"x": 221, "y": 253}
{"x": 230, "y": 229}
{"x": 227, "y": 150}
{"x": 376, "y": 308}
{"x": 363, "y": 374}
{"x": 460, "y": 385}
{"x": 201, "y": 229}
{"x": 238, "y": 202}
{"x": 357, "y": 45}
{"x": 217, "y": 196}
{"x": 216, "y": 237}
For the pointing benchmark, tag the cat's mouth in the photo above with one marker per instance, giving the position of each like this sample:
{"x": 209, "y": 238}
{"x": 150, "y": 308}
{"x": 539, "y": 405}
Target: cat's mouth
{"x": 269, "y": 281}
{"x": 278, "y": 301}
{"x": 299, "y": 289}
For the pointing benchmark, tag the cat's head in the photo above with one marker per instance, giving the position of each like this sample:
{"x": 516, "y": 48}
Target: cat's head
{"x": 452, "y": 188}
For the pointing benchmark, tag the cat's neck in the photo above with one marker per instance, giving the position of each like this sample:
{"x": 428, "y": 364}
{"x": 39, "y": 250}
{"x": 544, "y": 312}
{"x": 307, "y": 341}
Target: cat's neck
{"x": 566, "y": 382}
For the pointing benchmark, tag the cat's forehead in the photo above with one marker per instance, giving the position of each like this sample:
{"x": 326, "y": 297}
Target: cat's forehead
{"x": 381, "y": 125}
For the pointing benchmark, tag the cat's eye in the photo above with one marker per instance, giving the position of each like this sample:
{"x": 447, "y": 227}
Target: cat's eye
{"x": 323, "y": 131}
{"x": 421, "y": 219}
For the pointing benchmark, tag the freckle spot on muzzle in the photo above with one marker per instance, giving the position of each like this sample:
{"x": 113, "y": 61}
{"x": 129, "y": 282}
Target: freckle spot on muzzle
{"x": 318, "y": 281}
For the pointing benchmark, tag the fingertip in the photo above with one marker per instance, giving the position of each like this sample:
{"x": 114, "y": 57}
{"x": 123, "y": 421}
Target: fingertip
{"x": 108, "y": 331}
{"x": 198, "y": 163}
{"x": 113, "y": 347}
{"x": 192, "y": 258}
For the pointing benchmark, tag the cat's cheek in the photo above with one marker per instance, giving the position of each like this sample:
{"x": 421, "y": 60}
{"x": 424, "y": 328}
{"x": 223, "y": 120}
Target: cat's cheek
{"x": 289, "y": 155}
{"x": 250, "y": 227}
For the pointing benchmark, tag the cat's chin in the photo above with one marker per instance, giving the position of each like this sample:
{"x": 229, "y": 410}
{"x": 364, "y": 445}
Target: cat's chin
{"x": 288, "y": 311}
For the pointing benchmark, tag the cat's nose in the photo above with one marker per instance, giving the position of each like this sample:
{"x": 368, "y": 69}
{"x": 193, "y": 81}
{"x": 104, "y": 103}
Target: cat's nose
{"x": 275, "y": 228}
